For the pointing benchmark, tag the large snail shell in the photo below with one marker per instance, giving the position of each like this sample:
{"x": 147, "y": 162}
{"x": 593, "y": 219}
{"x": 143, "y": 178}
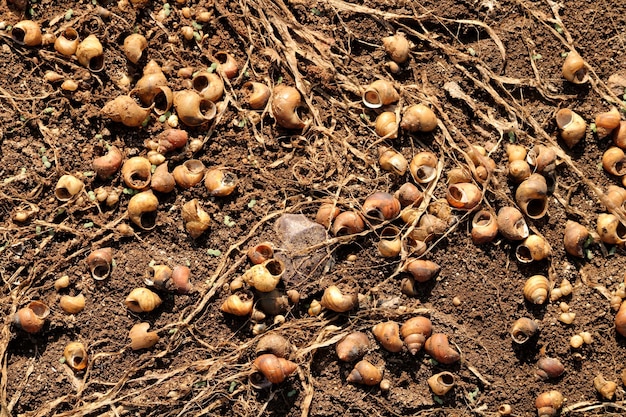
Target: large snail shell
{"x": 32, "y": 317}
{"x": 134, "y": 46}
{"x": 285, "y": 103}
{"x": 189, "y": 173}
{"x": 171, "y": 139}
{"x": 348, "y": 223}
{"x": 275, "y": 344}
{"x": 108, "y": 164}
{"x": 397, "y": 46}
{"x": 536, "y": 289}
{"x": 549, "y": 368}
{"x": 418, "y": 118}
{"x": 141, "y": 338}
{"x": 67, "y": 187}
{"x": 380, "y": 93}
{"x": 388, "y": 335}
{"x": 423, "y": 167}
{"x": 142, "y": 209}
{"x": 390, "y": 243}
{"x": 334, "y": 299}
{"x": 386, "y": 125}
{"x": 275, "y": 369}
{"x": 616, "y": 196}
{"x": 89, "y": 53}
{"x": 441, "y": 383}
{"x": 533, "y": 248}
{"x": 531, "y": 196}
{"x": 611, "y": 229}
{"x": 257, "y": 94}
{"x": 99, "y": 263}
{"x": 620, "y": 320}
{"x": 72, "y": 305}
{"x": 519, "y": 170}
{"x": 549, "y": 403}
{"x": 515, "y": 152}
{"x": 574, "y": 69}
{"x": 196, "y": 219}
{"x": 381, "y": 206}
{"x": 327, "y": 213}
{"x": 421, "y": 270}
{"x": 523, "y": 330}
{"x": 264, "y": 277}
{"x": 393, "y": 161}
{"x": 147, "y": 86}
{"x": 126, "y": 110}
{"x": 511, "y": 223}
{"x": 142, "y": 300}
{"x": 272, "y": 303}
{"x": 162, "y": 180}
{"x": 192, "y": 109}
{"x": 353, "y": 346}
{"x": 137, "y": 172}
{"x": 614, "y": 161}
{"x": 575, "y": 237}
{"x": 238, "y": 306}
{"x": 220, "y": 182}
{"x": 75, "y": 355}
{"x": 67, "y": 43}
{"x": 181, "y": 276}
{"x": 438, "y": 347}
{"x": 543, "y": 158}
{"x": 27, "y": 32}
{"x": 607, "y": 122}
{"x": 415, "y": 331}
{"x": 572, "y": 126}
{"x": 484, "y": 227}
{"x": 464, "y": 195}
{"x": 227, "y": 66}
{"x": 365, "y": 373}
{"x": 409, "y": 195}
{"x": 209, "y": 85}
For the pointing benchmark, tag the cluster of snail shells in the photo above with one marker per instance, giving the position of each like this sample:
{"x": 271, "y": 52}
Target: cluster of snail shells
{"x": 272, "y": 351}
{"x": 165, "y": 278}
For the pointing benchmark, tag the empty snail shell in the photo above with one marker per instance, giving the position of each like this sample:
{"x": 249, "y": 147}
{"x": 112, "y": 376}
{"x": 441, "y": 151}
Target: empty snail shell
{"x": 464, "y": 195}
{"x": 409, "y": 195}
{"x": 161, "y": 277}
{"x": 32, "y": 317}
{"x": 62, "y": 282}
{"x": 572, "y": 126}
{"x": 549, "y": 368}
{"x": 574, "y": 238}
{"x": 257, "y": 94}
{"x": 549, "y": 403}
{"x": 533, "y": 248}
{"x": 147, "y": 86}
{"x": 238, "y": 306}
{"x": 220, "y": 182}
{"x": 397, "y": 46}
{"x": 605, "y": 388}
{"x": 162, "y": 180}
{"x": 189, "y": 173}
{"x": 326, "y": 214}
{"x": 137, "y": 173}
{"x": 515, "y": 152}
{"x": 606, "y": 122}
{"x": 108, "y": 164}
{"x": 543, "y": 158}
{"x": 415, "y": 331}
{"x": 27, "y": 32}
{"x": 68, "y": 187}
{"x": 134, "y": 45}
{"x": 334, "y": 299}
{"x": 441, "y": 383}
{"x": 75, "y": 355}
{"x": 353, "y": 346}
{"x": 275, "y": 344}
{"x": 264, "y": 277}
{"x": 348, "y": 223}
{"x": 511, "y": 223}
{"x": 142, "y": 300}
{"x": 315, "y": 308}
{"x": 616, "y": 197}
{"x": 227, "y": 64}
{"x": 522, "y": 330}
{"x": 181, "y": 279}
{"x": 386, "y": 125}
{"x": 380, "y": 93}
{"x": 196, "y": 219}
{"x": 67, "y": 42}
{"x": 261, "y": 252}
{"x": 72, "y": 305}
{"x": 620, "y": 320}
{"x": 531, "y": 196}
{"x": 423, "y": 167}
{"x": 90, "y": 54}
{"x": 390, "y": 244}
{"x": 519, "y": 170}
{"x": 574, "y": 68}
{"x": 421, "y": 270}
{"x": 286, "y": 101}
{"x": 536, "y": 289}
{"x": 388, "y": 335}
{"x": 209, "y": 85}
{"x": 438, "y": 347}
{"x": 126, "y": 110}
{"x": 484, "y": 227}
{"x": 142, "y": 209}
{"x": 458, "y": 174}
{"x": 171, "y": 139}
{"x": 273, "y": 303}
{"x": 141, "y": 338}
{"x": 381, "y": 206}
{"x": 614, "y": 161}
{"x": 192, "y": 109}
{"x": 99, "y": 263}
{"x": 611, "y": 229}
{"x": 275, "y": 369}
{"x": 418, "y": 118}
{"x": 619, "y": 135}
{"x": 393, "y": 161}
{"x": 365, "y": 373}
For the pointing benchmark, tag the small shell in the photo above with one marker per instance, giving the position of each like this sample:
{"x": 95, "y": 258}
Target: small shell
{"x": 99, "y": 263}
{"x": 126, "y": 110}
{"x": 162, "y": 180}
{"x": 620, "y": 320}
{"x": 388, "y": 335}
{"x": 365, "y": 373}
{"x": 543, "y": 158}
{"x": 536, "y": 289}
{"x": 418, "y": 118}
{"x": 75, "y": 356}
{"x": 519, "y": 170}
{"x": 286, "y": 101}
{"x": 141, "y": 338}
{"x": 549, "y": 368}
{"x": 326, "y": 214}
{"x": 334, "y": 299}
{"x": 134, "y": 46}
{"x": 533, "y": 248}
{"x": 108, "y": 164}
{"x": 90, "y": 54}
{"x": 421, "y": 270}
{"x": 390, "y": 243}
{"x": 515, "y": 152}
{"x": 142, "y": 300}
{"x": 392, "y": 161}
{"x": 142, "y": 209}
{"x": 607, "y": 122}
{"x": 67, "y": 42}
{"x": 415, "y": 331}
{"x": 549, "y": 403}
{"x": 261, "y": 252}
{"x": 258, "y": 94}
{"x": 192, "y": 109}
{"x": 381, "y": 206}
{"x": 398, "y": 48}
{"x": 238, "y": 306}
{"x": 32, "y": 318}
{"x": 353, "y": 346}
{"x": 619, "y": 135}
{"x": 348, "y": 223}
{"x": 275, "y": 369}
{"x": 275, "y": 344}
{"x": 614, "y": 161}
{"x": 523, "y": 330}
{"x": 181, "y": 279}
{"x": 62, "y": 282}
{"x": 531, "y": 196}
{"x": 423, "y": 167}
{"x": 380, "y": 93}
{"x": 574, "y": 69}
{"x": 441, "y": 383}
{"x": 68, "y": 187}
{"x": 409, "y": 195}
{"x": 439, "y": 348}
{"x": 611, "y": 229}
{"x": 190, "y": 173}
{"x": 209, "y": 85}
{"x": 386, "y": 125}
{"x": 264, "y": 277}
{"x": 227, "y": 64}
{"x": 196, "y": 219}
{"x": 605, "y": 388}
{"x": 484, "y": 227}
{"x": 27, "y": 32}
{"x": 220, "y": 182}
{"x": 573, "y": 127}
{"x": 464, "y": 195}
{"x": 72, "y": 305}
{"x": 137, "y": 173}
{"x": 574, "y": 238}
{"x": 511, "y": 223}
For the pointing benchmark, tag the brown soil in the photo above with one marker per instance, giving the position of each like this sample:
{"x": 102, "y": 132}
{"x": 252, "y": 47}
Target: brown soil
{"x": 490, "y": 69}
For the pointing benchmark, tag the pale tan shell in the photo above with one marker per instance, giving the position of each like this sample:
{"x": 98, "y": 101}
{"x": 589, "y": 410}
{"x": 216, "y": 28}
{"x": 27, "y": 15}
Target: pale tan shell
{"x": 286, "y": 101}
{"x": 605, "y": 388}
{"x": 258, "y": 94}
{"x": 196, "y": 219}
{"x": 75, "y": 355}
{"x": 533, "y": 248}
{"x": 573, "y": 126}
{"x": 607, "y": 122}
{"x": 574, "y": 68}
{"x": 415, "y": 331}
{"x": 418, "y": 118}
{"x": 438, "y": 347}
{"x": 227, "y": 66}
{"x": 32, "y": 318}
{"x": 464, "y": 195}
{"x": 531, "y": 196}
{"x": 393, "y": 161}
{"x": 516, "y": 152}
{"x": 142, "y": 300}
{"x": 90, "y": 54}
{"x": 536, "y": 289}
{"x": 134, "y": 45}
{"x": 441, "y": 383}
{"x": 334, "y": 299}
{"x": 423, "y": 167}
{"x": 137, "y": 173}
{"x": 72, "y": 305}
{"x": 190, "y": 173}
{"x": 27, "y": 32}
{"x": 484, "y": 227}
{"x": 398, "y": 47}
{"x": 237, "y": 306}
{"x": 67, "y": 42}
{"x": 523, "y": 329}
{"x": 388, "y": 335}
{"x": 162, "y": 180}
{"x": 390, "y": 243}
{"x": 264, "y": 277}
{"x": 543, "y": 158}
{"x": 220, "y": 182}
{"x": 142, "y": 209}
{"x": 260, "y": 252}
{"x": 614, "y": 161}
{"x": 99, "y": 263}
{"x": 126, "y": 110}
{"x": 192, "y": 109}
{"x": 209, "y": 85}
{"x": 519, "y": 170}
{"x": 380, "y": 93}
{"x": 549, "y": 403}
{"x": 141, "y": 338}
{"x": 326, "y": 214}
{"x": 611, "y": 229}
{"x": 386, "y": 125}
{"x": 365, "y": 373}
{"x": 275, "y": 369}
{"x": 68, "y": 187}
{"x": 574, "y": 238}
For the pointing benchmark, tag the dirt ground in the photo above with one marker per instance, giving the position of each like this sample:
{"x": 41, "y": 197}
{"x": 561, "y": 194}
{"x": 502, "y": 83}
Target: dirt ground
{"x": 491, "y": 72}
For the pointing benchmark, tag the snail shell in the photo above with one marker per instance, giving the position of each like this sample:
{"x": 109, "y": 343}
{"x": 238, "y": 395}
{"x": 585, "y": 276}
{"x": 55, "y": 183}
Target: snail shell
{"x": 386, "y": 125}
{"x": 438, "y": 347}
{"x": 423, "y": 167}
{"x": 162, "y": 180}
{"x": 523, "y": 329}
{"x": 275, "y": 369}
{"x": 126, "y": 110}
{"x": 620, "y": 320}
{"x": 365, "y": 373}
{"x": 142, "y": 300}
{"x": 515, "y": 152}
{"x": 484, "y": 227}
{"x": 619, "y": 135}
{"x": 90, "y": 54}
{"x": 161, "y": 276}
{"x": 264, "y": 277}
{"x": 573, "y": 127}
{"x": 285, "y": 103}
{"x": 409, "y": 195}
{"x": 533, "y": 248}
{"x": 67, "y": 43}
{"x": 418, "y": 118}
{"x": 27, "y": 32}
{"x": 397, "y": 46}
{"x": 353, "y": 346}
{"x": 68, "y": 187}
{"x": 536, "y": 289}
{"x": 614, "y": 161}
{"x": 388, "y": 335}
{"x": 334, "y": 299}
{"x": 464, "y": 195}
{"x": 543, "y": 158}
{"x": 227, "y": 64}
{"x": 258, "y": 94}
{"x": 275, "y": 344}
{"x": 137, "y": 173}
{"x": 441, "y": 383}
{"x": 415, "y": 331}
{"x": 142, "y": 209}
{"x": 72, "y": 305}
{"x": 209, "y": 85}
{"x": 148, "y": 85}
{"x": 607, "y": 122}
{"x": 574, "y": 68}
{"x": 611, "y": 229}
{"x": 381, "y": 206}
{"x": 220, "y": 182}
{"x": 261, "y": 252}
{"x": 196, "y": 219}
{"x": 32, "y": 317}
{"x": 531, "y": 196}
{"x": 238, "y": 306}
{"x": 181, "y": 279}
{"x": 273, "y": 303}
{"x": 549, "y": 368}
{"x": 348, "y": 223}
{"x": 574, "y": 238}
{"x": 549, "y": 403}
{"x": 108, "y": 164}
{"x": 519, "y": 170}
{"x": 421, "y": 270}
{"x": 99, "y": 263}
{"x": 380, "y": 93}
{"x": 189, "y": 173}
{"x": 134, "y": 45}
{"x": 616, "y": 196}
{"x": 75, "y": 355}
{"x": 393, "y": 161}
{"x": 511, "y": 223}
{"x": 141, "y": 338}
{"x": 326, "y": 214}
{"x": 605, "y": 388}
{"x": 390, "y": 243}
{"x": 171, "y": 139}
{"x": 192, "y": 109}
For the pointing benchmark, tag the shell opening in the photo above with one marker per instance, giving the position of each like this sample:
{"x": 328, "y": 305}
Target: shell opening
{"x": 96, "y": 63}
{"x": 76, "y": 360}
{"x": 446, "y": 379}
{"x": 70, "y": 34}
{"x": 371, "y": 99}
{"x": 458, "y": 194}
{"x": 18, "y": 34}
{"x": 100, "y": 271}
{"x": 62, "y": 193}
{"x": 523, "y": 254}
{"x": 482, "y": 219}
{"x": 581, "y": 74}
{"x": 148, "y": 219}
{"x": 259, "y": 381}
{"x": 536, "y": 207}
{"x": 519, "y": 336}
{"x": 161, "y": 103}
{"x": 425, "y": 173}
{"x": 275, "y": 267}
{"x": 200, "y": 83}
{"x": 564, "y": 118}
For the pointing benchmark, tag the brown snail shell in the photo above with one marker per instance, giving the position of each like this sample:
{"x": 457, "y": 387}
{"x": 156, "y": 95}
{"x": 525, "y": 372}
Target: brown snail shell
{"x": 423, "y": 167}
{"x": 516, "y": 152}
{"x": 334, "y": 299}
{"x": 353, "y": 347}
{"x": 27, "y": 32}
{"x": 421, "y": 270}
{"x": 32, "y": 317}
{"x": 607, "y": 122}
{"x": 605, "y": 388}
{"x": 99, "y": 263}
{"x": 574, "y": 68}
{"x": 381, "y": 206}
{"x": 208, "y": 85}
{"x": 147, "y": 86}
{"x": 464, "y": 195}
{"x": 273, "y": 303}
{"x": 519, "y": 170}
{"x": 190, "y": 173}
{"x": 619, "y": 135}
{"x": 72, "y": 305}
{"x": 162, "y": 180}
{"x": 543, "y": 158}
{"x": 438, "y": 347}
{"x": 126, "y": 110}
{"x": 392, "y": 161}
{"x": 137, "y": 173}
{"x": 264, "y": 277}
{"x": 142, "y": 300}
{"x": 536, "y": 289}
{"x": 181, "y": 279}
{"x": 285, "y": 103}
{"x": 457, "y": 175}
{"x": 380, "y": 93}
{"x": 238, "y": 306}
{"x": 390, "y": 243}
{"x": 573, "y": 127}
{"x": 68, "y": 187}
{"x": 134, "y": 45}
{"x": 75, "y": 355}
{"x": 531, "y": 196}
{"x": 415, "y": 331}
{"x": 90, "y": 54}
{"x": 388, "y": 335}
{"x": 141, "y": 338}
{"x": 533, "y": 248}
{"x": 574, "y": 238}
{"x": 549, "y": 368}
{"x": 227, "y": 64}
{"x": 162, "y": 100}
{"x": 67, "y": 43}
{"x": 171, "y": 139}
{"x": 611, "y": 229}
{"x": 192, "y": 109}
{"x": 196, "y": 219}
{"x": 275, "y": 369}
{"x": 484, "y": 227}
{"x": 614, "y": 161}
{"x": 398, "y": 48}
{"x": 261, "y": 252}
{"x": 258, "y": 94}
{"x": 326, "y": 214}
{"x": 348, "y": 223}
{"x": 418, "y": 118}
{"x": 549, "y": 403}
{"x": 142, "y": 209}
{"x": 386, "y": 125}
{"x": 365, "y": 373}
{"x": 409, "y": 195}
{"x": 511, "y": 223}
{"x": 161, "y": 277}
{"x": 441, "y": 383}
{"x": 522, "y": 330}
{"x": 620, "y": 320}
{"x": 275, "y": 344}
{"x": 616, "y": 196}
{"x": 220, "y": 182}
{"x": 108, "y": 164}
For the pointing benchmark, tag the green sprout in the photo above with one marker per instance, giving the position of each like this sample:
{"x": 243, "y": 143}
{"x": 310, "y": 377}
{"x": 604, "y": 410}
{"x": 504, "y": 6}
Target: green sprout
{"x": 593, "y": 127}
{"x": 537, "y": 57}
{"x": 252, "y": 203}
{"x": 228, "y": 221}
{"x": 214, "y": 252}
{"x": 45, "y": 162}
{"x": 315, "y": 11}
{"x": 512, "y": 137}
{"x": 69, "y": 14}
